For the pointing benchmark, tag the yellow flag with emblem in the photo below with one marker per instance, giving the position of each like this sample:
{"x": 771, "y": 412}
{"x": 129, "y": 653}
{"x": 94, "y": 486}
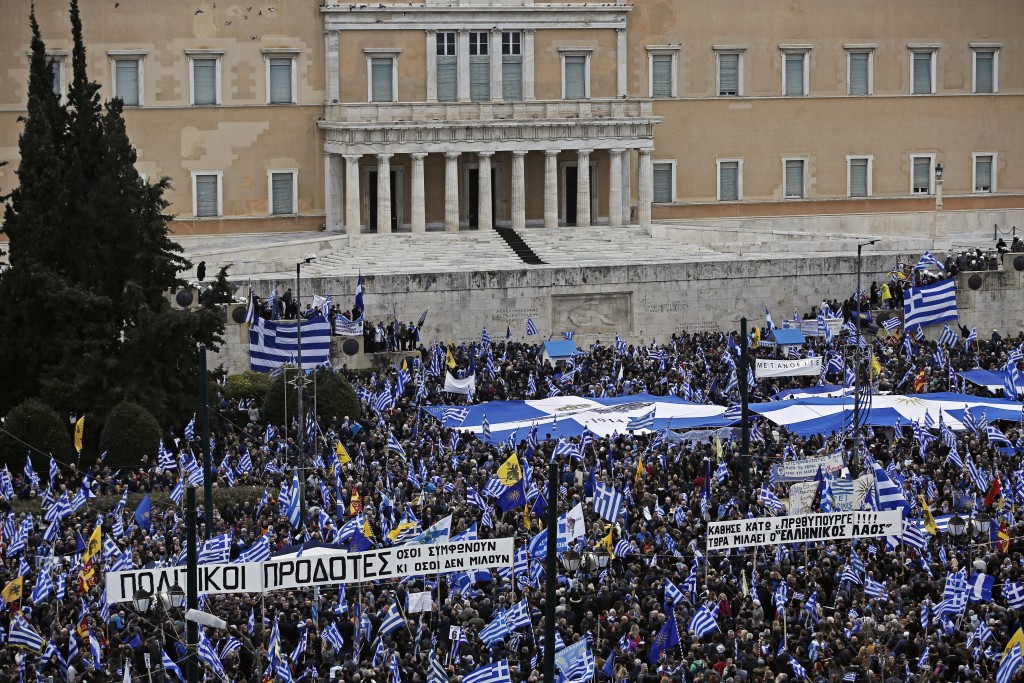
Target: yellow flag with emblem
{"x": 929, "y": 521}
{"x": 450, "y": 360}
{"x": 1018, "y": 639}
{"x": 876, "y": 367}
{"x": 343, "y": 457}
{"x": 94, "y": 544}
{"x": 367, "y": 531}
{"x": 510, "y": 472}
{"x": 607, "y": 542}
{"x": 718, "y": 447}
{"x": 639, "y": 469}
{"x": 79, "y": 431}
{"x": 397, "y": 531}
{"x": 526, "y": 517}
{"x": 12, "y": 593}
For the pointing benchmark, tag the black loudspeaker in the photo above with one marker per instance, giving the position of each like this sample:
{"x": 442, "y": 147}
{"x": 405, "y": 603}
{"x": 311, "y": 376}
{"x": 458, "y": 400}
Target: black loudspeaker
{"x": 184, "y": 298}
{"x": 1018, "y": 263}
{"x": 237, "y": 314}
{"x": 975, "y": 281}
{"x": 350, "y": 347}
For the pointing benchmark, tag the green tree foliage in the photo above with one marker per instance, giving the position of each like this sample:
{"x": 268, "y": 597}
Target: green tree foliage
{"x": 130, "y": 433}
{"x": 92, "y": 263}
{"x": 36, "y": 424}
{"x": 248, "y": 385}
{"x": 335, "y": 397}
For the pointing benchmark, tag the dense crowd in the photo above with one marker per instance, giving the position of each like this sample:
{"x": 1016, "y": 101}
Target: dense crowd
{"x": 830, "y": 611}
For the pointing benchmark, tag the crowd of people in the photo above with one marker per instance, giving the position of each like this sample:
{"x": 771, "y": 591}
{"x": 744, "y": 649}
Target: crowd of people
{"x": 867, "y": 610}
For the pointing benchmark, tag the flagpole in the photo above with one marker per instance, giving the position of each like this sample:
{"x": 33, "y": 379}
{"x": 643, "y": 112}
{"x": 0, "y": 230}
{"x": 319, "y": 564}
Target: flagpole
{"x": 192, "y": 584}
{"x": 204, "y": 407}
{"x": 551, "y": 573}
{"x": 744, "y": 398}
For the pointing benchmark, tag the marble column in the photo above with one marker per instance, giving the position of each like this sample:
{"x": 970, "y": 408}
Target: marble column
{"x": 615, "y": 188}
{"x": 485, "y": 216}
{"x": 451, "y": 191}
{"x": 518, "y": 190}
{"x": 352, "y": 217}
{"x": 418, "y": 222}
{"x": 551, "y": 188}
{"x": 333, "y": 193}
{"x": 645, "y": 194}
{"x": 583, "y": 188}
{"x": 383, "y": 193}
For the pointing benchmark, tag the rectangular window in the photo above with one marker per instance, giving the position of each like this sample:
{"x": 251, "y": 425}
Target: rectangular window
{"x": 860, "y": 72}
{"x": 205, "y": 80}
{"x": 859, "y": 172}
{"x": 663, "y": 82}
{"x": 126, "y": 81}
{"x": 479, "y": 66}
{"x": 921, "y": 174}
{"x": 794, "y": 74}
{"x": 574, "y": 77}
{"x": 985, "y": 71}
{"x": 447, "y": 67}
{"x": 984, "y": 173}
{"x": 922, "y": 72}
{"x": 512, "y": 66}
{"x": 382, "y": 76}
{"x": 729, "y": 180}
{"x": 664, "y": 182}
{"x": 729, "y": 74}
{"x": 794, "y": 179}
{"x": 206, "y": 195}
{"x": 282, "y": 192}
{"x": 281, "y": 83}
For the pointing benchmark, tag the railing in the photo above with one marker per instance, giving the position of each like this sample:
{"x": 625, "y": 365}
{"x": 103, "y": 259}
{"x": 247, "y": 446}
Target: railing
{"x": 434, "y": 112}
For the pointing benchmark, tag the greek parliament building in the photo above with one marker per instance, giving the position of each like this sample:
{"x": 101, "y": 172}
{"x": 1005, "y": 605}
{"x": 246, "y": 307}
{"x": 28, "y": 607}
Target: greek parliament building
{"x": 422, "y": 115}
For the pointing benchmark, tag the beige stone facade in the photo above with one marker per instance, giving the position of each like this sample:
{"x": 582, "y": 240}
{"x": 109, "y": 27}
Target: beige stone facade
{"x": 278, "y": 116}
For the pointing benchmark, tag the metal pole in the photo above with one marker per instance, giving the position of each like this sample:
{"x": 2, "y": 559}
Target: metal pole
{"x": 551, "y": 574}
{"x": 204, "y": 410}
{"x": 855, "y": 456}
{"x": 192, "y": 585}
{"x": 744, "y": 398}
{"x": 300, "y": 385}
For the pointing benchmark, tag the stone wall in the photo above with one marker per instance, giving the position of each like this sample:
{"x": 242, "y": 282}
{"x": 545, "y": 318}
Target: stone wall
{"x": 638, "y": 302}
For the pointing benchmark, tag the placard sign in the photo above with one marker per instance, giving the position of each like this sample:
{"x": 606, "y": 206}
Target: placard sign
{"x": 788, "y": 368}
{"x": 804, "y": 470}
{"x": 327, "y": 569}
{"x": 840, "y": 526}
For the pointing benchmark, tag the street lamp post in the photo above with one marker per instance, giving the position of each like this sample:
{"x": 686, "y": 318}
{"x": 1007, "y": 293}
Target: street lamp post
{"x": 160, "y": 604}
{"x": 551, "y": 573}
{"x": 300, "y": 383}
{"x": 939, "y": 236}
{"x": 857, "y": 397}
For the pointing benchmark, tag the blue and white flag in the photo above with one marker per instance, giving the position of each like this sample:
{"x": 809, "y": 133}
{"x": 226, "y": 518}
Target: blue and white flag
{"x": 531, "y": 329}
{"x": 1010, "y": 664}
{"x": 930, "y": 304}
{"x": 702, "y": 622}
{"x": 273, "y": 344}
{"x": 645, "y": 421}
{"x": 608, "y": 502}
{"x": 216, "y": 550}
{"x": 926, "y": 261}
{"x": 359, "y": 293}
{"x": 981, "y": 587}
{"x": 22, "y": 635}
{"x": 498, "y": 672}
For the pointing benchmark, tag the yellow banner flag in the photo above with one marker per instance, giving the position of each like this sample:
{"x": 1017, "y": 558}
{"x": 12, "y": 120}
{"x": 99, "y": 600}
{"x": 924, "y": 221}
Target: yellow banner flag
{"x": 929, "y": 521}
{"x": 876, "y": 367}
{"x": 450, "y": 359}
{"x": 367, "y": 531}
{"x": 12, "y": 593}
{"x": 79, "y": 430}
{"x": 607, "y": 542}
{"x": 397, "y": 531}
{"x": 718, "y": 448}
{"x": 94, "y": 544}
{"x": 526, "y": 517}
{"x": 343, "y": 457}
{"x": 510, "y": 472}
{"x": 1018, "y": 638}
{"x": 639, "y": 469}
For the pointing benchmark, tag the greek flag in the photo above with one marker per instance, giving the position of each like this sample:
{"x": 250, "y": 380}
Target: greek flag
{"x": 1010, "y": 664}
{"x": 873, "y": 589}
{"x": 451, "y": 415}
{"x": 948, "y": 337}
{"x": 497, "y": 672}
{"x": 359, "y": 293}
{"x": 272, "y": 344}
{"x": 891, "y": 324}
{"x": 393, "y": 444}
{"x": 531, "y": 329}
{"x": 645, "y": 421}
{"x": 1013, "y": 594}
{"x": 887, "y": 493}
{"x": 798, "y": 670}
{"x": 702, "y": 622}
{"x": 43, "y": 587}
{"x": 391, "y": 621}
{"x": 769, "y": 500}
{"x": 928, "y": 260}
{"x": 165, "y": 459}
{"x": 607, "y": 502}
{"x": 22, "y": 635}
{"x": 259, "y": 551}
{"x": 569, "y": 335}
{"x": 208, "y": 655}
{"x": 672, "y": 593}
{"x": 930, "y": 304}
{"x": 216, "y": 550}
{"x": 190, "y": 429}
{"x": 436, "y": 672}
{"x": 487, "y": 426}
{"x": 972, "y": 337}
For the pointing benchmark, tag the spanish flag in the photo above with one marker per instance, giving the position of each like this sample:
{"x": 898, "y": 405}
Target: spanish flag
{"x": 12, "y": 593}
{"x": 79, "y": 430}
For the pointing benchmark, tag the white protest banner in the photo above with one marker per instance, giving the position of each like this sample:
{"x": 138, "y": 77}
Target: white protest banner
{"x": 419, "y": 602}
{"x": 465, "y": 386}
{"x": 348, "y": 328}
{"x": 803, "y": 470}
{"x": 327, "y": 569}
{"x": 801, "y": 496}
{"x": 788, "y": 368}
{"x": 565, "y": 657}
{"x": 826, "y": 526}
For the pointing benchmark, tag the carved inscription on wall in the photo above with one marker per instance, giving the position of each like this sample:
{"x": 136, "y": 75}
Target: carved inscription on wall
{"x": 596, "y": 313}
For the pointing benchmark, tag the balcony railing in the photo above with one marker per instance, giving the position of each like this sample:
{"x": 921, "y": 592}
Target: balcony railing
{"x": 435, "y": 112}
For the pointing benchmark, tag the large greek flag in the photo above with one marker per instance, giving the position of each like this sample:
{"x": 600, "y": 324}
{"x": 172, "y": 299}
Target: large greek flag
{"x": 272, "y": 344}
{"x": 930, "y": 304}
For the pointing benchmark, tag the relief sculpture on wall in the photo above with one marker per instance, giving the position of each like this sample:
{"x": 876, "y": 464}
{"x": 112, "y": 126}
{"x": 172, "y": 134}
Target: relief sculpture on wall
{"x": 601, "y": 312}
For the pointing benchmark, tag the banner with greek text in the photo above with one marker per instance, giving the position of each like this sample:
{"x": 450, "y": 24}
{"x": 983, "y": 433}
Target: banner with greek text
{"x": 788, "y": 368}
{"x": 840, "y": 526}
{"x": 348, "y": 328}
{"x": 331, "y": 568}
{"x": 803, "y": 470}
